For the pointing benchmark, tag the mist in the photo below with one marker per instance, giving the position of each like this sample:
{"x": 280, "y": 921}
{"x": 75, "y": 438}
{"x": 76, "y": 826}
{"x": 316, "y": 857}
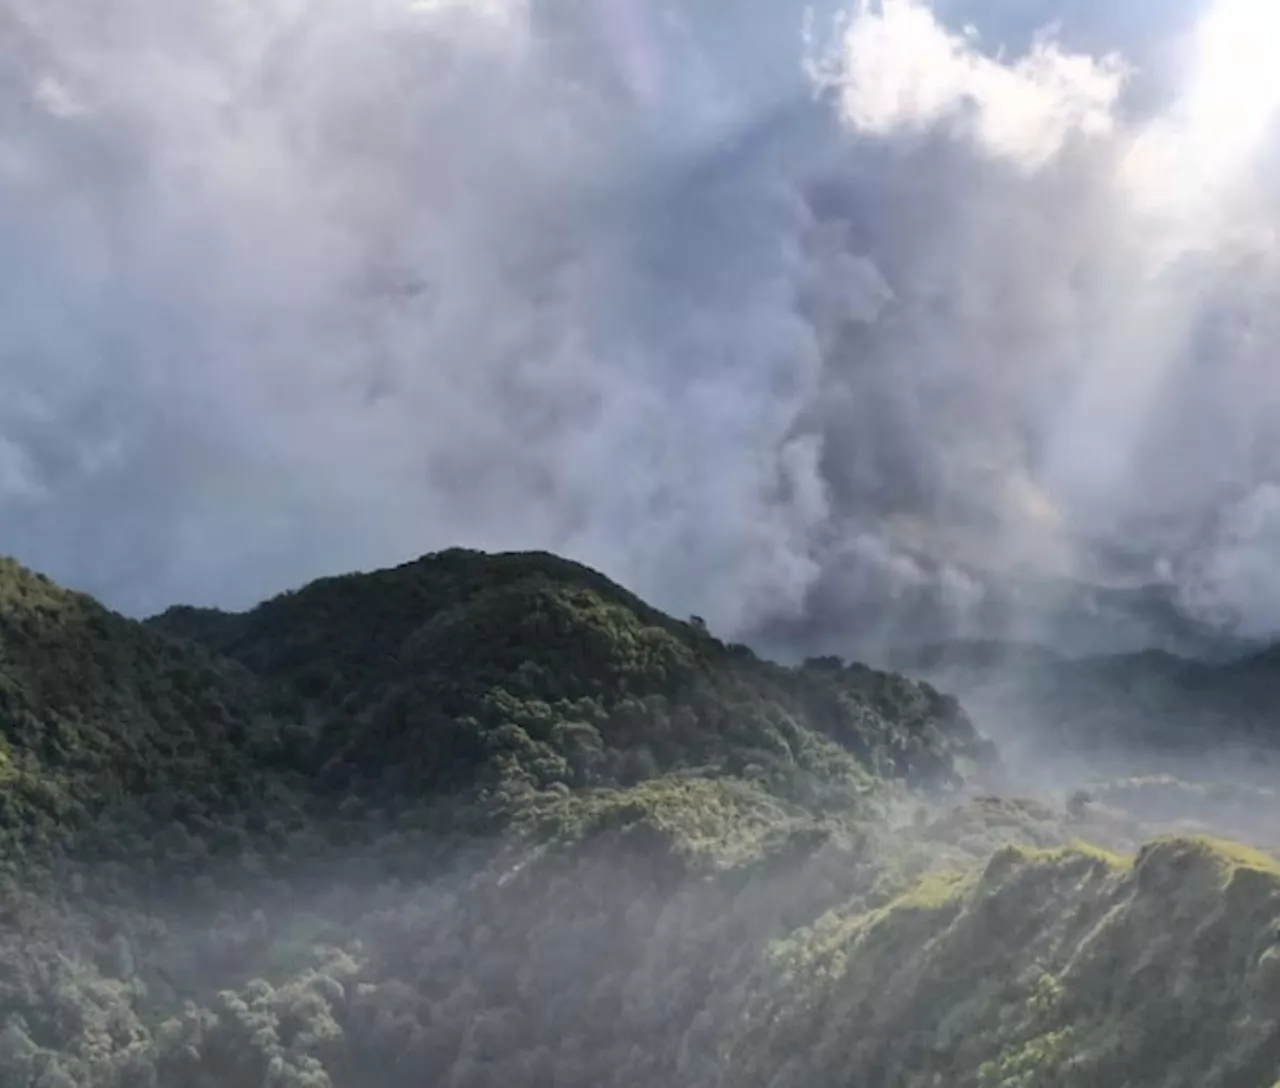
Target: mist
{"x": 839, "y": 326}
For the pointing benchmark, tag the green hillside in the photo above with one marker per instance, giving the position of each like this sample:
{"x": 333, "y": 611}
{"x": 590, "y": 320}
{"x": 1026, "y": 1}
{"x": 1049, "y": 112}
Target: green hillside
{"x": 108, "y": 730}
{"x": 1044, "y": 968}
{"x": 492, "y": 820}
{"x": 531, "y": 670}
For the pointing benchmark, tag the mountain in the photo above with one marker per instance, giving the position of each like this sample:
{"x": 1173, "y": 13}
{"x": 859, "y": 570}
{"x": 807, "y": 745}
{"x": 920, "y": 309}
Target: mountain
{"x": 1045, "y": 967}
{"x": 492, "y": 820}
{"x": 1150, "y": 711}
{"x": 420, "y": 675}
{"x": 109, "y": 728}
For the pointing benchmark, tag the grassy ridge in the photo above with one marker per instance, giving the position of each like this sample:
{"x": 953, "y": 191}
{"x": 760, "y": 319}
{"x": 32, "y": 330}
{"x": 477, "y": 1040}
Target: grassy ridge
{"x": 1065, "y": 967}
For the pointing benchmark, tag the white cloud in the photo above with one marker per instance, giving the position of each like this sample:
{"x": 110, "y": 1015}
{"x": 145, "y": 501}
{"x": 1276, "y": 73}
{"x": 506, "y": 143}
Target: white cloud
{"x": 898, "y": 68}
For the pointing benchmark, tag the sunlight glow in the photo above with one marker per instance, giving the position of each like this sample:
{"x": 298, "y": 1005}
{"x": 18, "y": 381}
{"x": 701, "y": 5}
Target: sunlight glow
{"x": 1185, "y": 163}
{"x": 1236, "y": 89}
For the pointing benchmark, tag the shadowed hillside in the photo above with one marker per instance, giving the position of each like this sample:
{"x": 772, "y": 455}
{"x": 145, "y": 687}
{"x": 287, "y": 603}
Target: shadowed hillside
{"x": 1141, "y": 713}
{"x": 461, "y": 664}
{"x": 491, "y": 820}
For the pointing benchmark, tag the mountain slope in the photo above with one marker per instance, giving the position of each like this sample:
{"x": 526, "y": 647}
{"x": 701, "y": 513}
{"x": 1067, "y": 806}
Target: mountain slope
{"x": 456, "y": 673}
{"x": 107, "y": 728}
{"x": 460, "y": 664}
{"x": 491, "y": 820}
{"x": 1047, "y": 968}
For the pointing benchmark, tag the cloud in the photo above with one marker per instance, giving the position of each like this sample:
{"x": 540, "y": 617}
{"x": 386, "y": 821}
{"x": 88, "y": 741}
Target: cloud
{"x": 1231, "y": 582}
{"x": 1068, "y": 367}
{"x": 302, "y": 287}
{"x": 899, "y": 70}
{"x": 831, "y": 336}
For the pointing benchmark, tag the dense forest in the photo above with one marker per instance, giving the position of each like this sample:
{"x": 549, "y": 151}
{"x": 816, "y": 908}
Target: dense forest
{"x": 493, "y": 821}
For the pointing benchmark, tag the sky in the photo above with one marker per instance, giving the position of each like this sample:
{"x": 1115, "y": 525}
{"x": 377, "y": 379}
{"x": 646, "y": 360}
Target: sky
{"x": 839, "y": 318}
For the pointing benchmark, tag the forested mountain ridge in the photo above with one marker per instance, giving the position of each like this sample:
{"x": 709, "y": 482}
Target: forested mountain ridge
{"x": 492, "y": 820}
{"x": 459, "y": 670}
{"x": 417, "y": 670}
{"x": 107, "y": 727}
